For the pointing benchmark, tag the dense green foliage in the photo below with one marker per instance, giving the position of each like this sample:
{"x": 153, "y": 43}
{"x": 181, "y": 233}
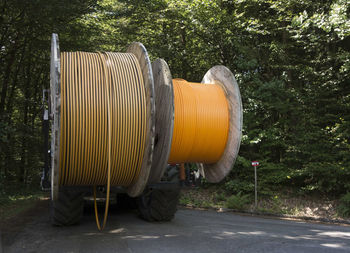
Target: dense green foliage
{"x": 291, "y": 60}
{"x": 344, "y": 206}
{"x": 238, "y": 202}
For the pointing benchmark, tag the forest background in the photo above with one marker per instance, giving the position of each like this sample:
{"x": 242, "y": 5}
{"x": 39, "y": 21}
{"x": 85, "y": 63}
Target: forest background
{"x": 291, "y": 59}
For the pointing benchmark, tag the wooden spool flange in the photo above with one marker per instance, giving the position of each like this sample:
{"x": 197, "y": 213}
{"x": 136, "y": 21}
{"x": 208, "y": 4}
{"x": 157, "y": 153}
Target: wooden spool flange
{"x": 142, "y": 56}
{"x": 221, "y": 75}
{"x": 55, "y": 97}
{"x": 164, "y": 101}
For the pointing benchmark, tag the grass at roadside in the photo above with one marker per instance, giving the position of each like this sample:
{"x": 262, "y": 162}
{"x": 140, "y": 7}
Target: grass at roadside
{"x": 16, "y": 200}
{"x": 278, "y": 204}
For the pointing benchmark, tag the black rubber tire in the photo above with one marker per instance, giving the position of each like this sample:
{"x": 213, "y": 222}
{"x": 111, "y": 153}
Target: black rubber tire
{"x": 160, "y": 204}
{"x": 68, "y": 209}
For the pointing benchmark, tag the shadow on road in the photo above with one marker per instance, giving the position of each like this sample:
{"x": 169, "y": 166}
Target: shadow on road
{"x": 190, "y": 231}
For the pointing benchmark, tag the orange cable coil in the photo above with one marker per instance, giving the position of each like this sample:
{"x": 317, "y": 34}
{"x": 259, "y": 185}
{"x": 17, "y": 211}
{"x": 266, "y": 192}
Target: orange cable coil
{"x": 201, "y": 122}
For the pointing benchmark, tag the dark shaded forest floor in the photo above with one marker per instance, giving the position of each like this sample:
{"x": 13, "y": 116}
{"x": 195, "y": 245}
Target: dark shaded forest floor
{"x": 22, "y": 213}
{"x": 286, "y": 204}
{"x": 16, "y": 200}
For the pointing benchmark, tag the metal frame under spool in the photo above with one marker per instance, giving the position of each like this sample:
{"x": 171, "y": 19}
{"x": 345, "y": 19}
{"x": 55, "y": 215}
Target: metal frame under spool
{"x": 141, "y": 54}
{"x": 221, "y": 75}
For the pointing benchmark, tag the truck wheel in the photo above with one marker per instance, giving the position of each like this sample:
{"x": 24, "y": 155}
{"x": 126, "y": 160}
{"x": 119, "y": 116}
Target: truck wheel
{"x": 68, "y": 209}
{"x": 160, "y": 204}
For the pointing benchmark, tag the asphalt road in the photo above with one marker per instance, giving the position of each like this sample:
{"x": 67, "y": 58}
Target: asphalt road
{"x": 190, "y": 231}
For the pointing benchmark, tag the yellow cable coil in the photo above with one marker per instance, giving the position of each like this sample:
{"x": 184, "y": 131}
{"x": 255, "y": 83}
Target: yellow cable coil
{"x": 103, "y": 118}
{"x": 201, "y": 122}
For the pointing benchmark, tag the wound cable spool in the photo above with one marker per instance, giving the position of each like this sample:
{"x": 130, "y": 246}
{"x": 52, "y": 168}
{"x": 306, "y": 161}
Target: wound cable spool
{"x": 216, "y": 159}
{"x": 201, "y": 122}
{"x": 102, "y": 99}
{"x": 85, "y": 128}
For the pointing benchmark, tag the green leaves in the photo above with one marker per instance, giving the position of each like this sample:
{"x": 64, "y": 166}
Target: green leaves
{"x": 290, "y": 58}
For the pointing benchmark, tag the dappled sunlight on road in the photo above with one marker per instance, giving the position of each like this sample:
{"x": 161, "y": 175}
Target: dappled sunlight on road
{"x": 190, "y": 231}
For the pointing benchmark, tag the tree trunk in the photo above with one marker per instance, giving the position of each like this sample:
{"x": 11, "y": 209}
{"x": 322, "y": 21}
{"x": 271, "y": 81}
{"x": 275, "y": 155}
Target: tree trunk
{"x": 6, "y": 80}
{"x": 22, "y": 176}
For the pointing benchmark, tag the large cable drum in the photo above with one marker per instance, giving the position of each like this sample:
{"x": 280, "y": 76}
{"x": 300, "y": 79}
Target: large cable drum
{"x": 119, "y": 121}
{"x": 102, "y": 107}
{"x": 197, "y": 122}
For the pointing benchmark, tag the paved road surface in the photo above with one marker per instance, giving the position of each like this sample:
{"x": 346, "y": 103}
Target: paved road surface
{"x": 190, "y": 231}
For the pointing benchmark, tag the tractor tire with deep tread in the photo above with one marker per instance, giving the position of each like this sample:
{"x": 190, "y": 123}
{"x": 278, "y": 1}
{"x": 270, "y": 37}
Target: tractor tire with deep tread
{"x": 68, "y": 209}
{"x": 161, "y": 204}
{"x": 158, "y": 205}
